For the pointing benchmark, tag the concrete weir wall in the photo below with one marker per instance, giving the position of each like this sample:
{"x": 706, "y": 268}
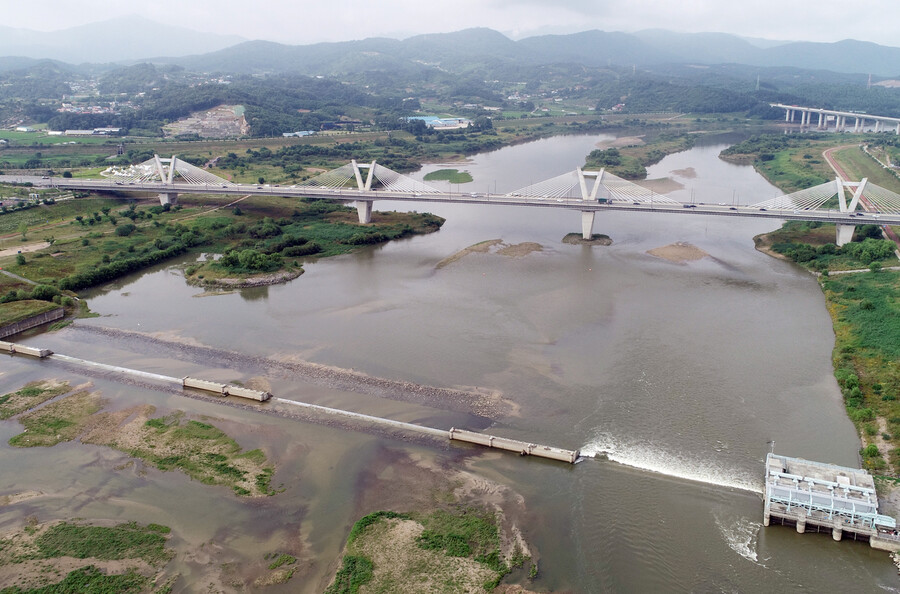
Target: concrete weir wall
{"x": 21, "y": 349}
{"x": 503, "y": 443}
{"x": 23, "y": 325}
{"x": 225, "y": 389}
{"x": 514, "y": 445}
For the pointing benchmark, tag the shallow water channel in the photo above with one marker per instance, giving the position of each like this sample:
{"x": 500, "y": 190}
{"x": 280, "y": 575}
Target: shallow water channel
{"x": 682, "y": 373}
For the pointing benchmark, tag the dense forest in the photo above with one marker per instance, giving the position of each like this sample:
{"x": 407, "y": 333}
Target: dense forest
{"x": 149, "y": 96}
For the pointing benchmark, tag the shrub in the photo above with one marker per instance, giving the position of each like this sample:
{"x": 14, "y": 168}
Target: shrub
{"x": 870, "y": 451}
{"x": 44, "y": 292}
{"x": 125, "y": 230}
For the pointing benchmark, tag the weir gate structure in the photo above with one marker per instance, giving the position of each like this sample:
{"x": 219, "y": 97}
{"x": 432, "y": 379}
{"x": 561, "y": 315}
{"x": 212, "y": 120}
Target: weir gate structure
{"x": 813, "y": 496}
{"x": 589, "y": 192}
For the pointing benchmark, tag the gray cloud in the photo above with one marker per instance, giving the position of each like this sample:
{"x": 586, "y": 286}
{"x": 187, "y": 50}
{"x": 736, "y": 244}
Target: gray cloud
{"x": 310, "y": 21}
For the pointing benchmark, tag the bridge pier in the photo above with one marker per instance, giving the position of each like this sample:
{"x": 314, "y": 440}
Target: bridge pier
{"x": 587, "y": 224}
{"x": 364, "y": 209}
{"x": 168, "y": 198}
{"x": 844, "y": 234}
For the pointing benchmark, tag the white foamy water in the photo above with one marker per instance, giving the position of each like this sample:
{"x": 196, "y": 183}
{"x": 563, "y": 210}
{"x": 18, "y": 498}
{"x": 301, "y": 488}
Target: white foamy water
{"x": 647, "y": 456}
{"x": 740, "y": 535}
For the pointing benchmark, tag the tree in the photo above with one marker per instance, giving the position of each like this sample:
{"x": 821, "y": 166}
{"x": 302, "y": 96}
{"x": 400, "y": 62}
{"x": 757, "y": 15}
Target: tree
{"x": 875, "y": 267}
{"x": 44, "y": 292}
{"x": 483, "y": 123}
{"x": 23, "y": 229}
{"x": 20, "y": 259}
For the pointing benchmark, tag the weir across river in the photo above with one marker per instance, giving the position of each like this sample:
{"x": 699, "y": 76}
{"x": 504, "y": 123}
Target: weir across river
{"x": 225, "y": 390}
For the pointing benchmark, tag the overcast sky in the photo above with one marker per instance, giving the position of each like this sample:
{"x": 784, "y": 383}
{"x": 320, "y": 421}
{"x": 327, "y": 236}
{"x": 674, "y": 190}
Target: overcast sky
{"x": 310, "y": 21}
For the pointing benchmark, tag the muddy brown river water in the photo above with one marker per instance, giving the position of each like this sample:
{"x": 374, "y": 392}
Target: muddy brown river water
{"x": 681, "y": 372}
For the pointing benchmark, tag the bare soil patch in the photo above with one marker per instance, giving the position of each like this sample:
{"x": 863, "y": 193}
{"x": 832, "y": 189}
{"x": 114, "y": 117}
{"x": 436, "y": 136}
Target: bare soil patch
{"x": 679, "y": 253}
{"x": 495, "y": 246}
{"x": 520, "y": 250}
{"x": 621, "y": 141}
{"x": 31, "y": 247}
{"x": 687, "y": 172}
{"x": 483, "y": 247}
{"x": 662, "y": 185}
{"x": 14, "y": 498}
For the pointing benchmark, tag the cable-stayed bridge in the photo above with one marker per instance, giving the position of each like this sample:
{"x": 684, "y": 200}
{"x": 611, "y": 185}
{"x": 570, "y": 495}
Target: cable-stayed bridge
{"x": 846, "y": 204}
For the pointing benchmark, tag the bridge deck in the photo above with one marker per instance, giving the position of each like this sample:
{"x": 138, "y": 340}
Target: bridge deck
{"x": 352, "y": 195}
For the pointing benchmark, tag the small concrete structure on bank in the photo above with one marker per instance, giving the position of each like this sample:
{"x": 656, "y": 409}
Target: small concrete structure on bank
{"x": 814, "y": 495}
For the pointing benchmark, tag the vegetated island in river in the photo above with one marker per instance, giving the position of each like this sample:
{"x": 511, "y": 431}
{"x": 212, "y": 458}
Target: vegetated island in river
{"x": 454, "y": 176}
{"x": 861, "y": 290}
{"x": 261, "y": 241}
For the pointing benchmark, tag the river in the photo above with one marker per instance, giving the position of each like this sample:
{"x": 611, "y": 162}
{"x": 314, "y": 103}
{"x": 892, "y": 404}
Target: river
{"x": 681, "y": 373}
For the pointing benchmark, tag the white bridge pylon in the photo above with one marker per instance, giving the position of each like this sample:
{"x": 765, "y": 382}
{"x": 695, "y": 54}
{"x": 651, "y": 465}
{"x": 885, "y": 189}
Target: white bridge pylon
{"x": 167, "y": 171}
{"x": 388, "y": 179}
{"x": 606, "y": 187}
{"x": 871, "y": 197}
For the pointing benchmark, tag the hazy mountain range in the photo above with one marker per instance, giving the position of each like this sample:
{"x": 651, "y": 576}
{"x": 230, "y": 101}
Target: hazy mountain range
{"x": 116, "y": 40}
{"x": 134, "y": 39}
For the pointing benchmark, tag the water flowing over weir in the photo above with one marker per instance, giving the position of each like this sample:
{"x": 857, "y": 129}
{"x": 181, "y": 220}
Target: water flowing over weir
{"x": 651, "y": 459}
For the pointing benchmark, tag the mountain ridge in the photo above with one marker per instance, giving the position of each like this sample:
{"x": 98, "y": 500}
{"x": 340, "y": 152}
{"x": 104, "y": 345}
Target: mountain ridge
{"x": 135, "y": 39}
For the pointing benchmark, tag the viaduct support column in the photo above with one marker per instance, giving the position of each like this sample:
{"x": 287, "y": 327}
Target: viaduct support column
{"x": 364, "y": 209}
{"x": 168, "y": 198}
{"x": 837, "y": 532}
{"x": 819, "y": 122}
{"x": 787, "y": 115}
{"x": 801, "y": 525}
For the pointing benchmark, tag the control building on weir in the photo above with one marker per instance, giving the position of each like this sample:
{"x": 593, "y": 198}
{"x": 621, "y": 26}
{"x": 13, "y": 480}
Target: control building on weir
{"x": 817, "y": 497}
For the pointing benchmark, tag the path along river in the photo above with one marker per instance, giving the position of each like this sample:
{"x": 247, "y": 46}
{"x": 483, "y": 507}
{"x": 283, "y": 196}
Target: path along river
{"x": 682, "y": 372}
